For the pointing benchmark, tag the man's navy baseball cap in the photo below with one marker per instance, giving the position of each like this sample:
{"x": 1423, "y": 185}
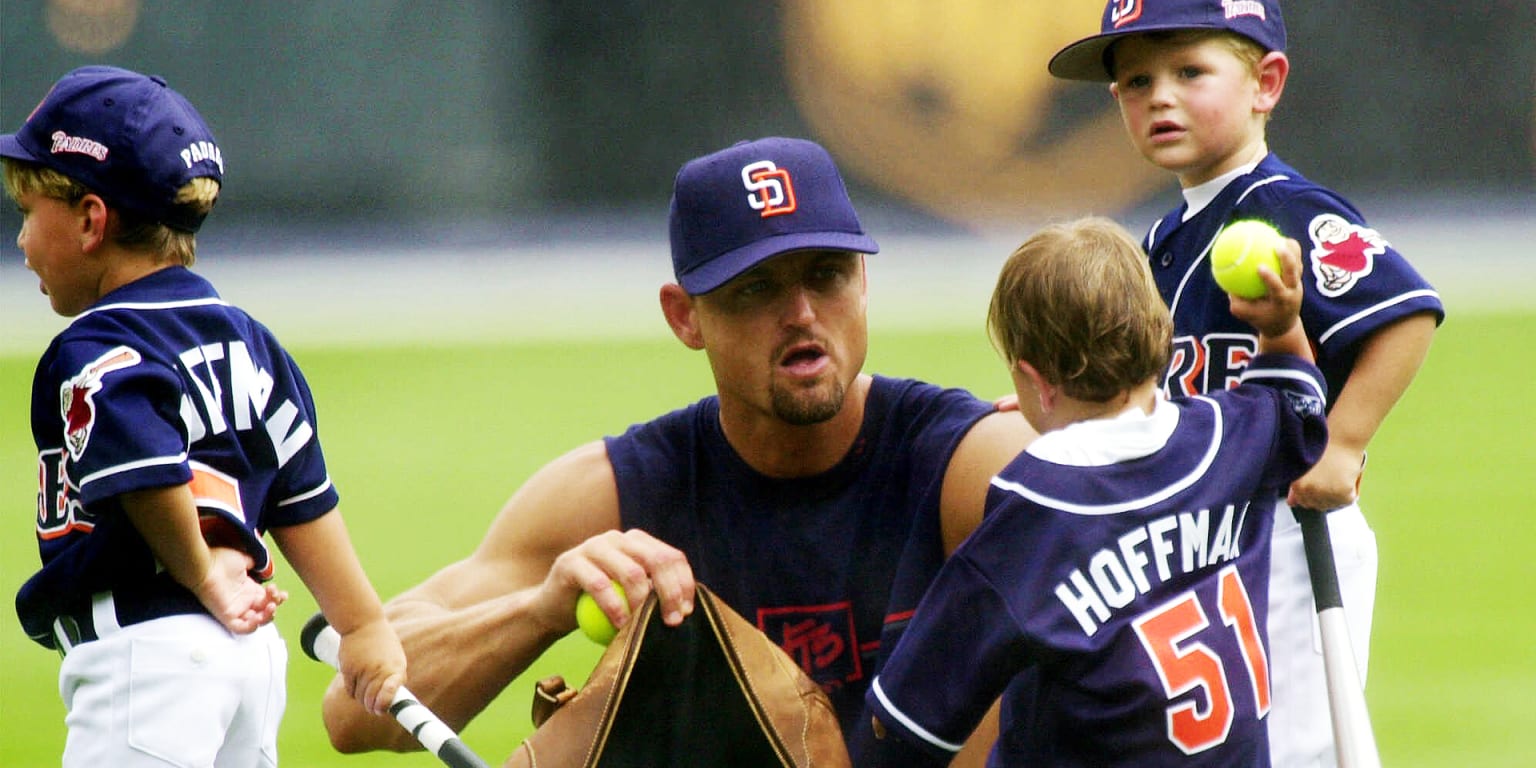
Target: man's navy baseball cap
{"x": 127, "y": 137}
{"x": 754, "y": 200}
{"x": 1258, "y": 20}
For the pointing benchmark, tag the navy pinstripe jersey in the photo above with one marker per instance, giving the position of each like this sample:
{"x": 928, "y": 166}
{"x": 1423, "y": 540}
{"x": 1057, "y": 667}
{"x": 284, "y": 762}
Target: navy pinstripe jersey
{"x": 829, "y": 567}
{"x": 162, "y": 383}
{"x": 1354, "y": 281}
{"x": 1115, "y": 593}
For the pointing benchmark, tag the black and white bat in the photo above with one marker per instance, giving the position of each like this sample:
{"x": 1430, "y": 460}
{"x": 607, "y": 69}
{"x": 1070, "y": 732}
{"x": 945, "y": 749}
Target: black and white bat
{"x": 321, "y": 643}
{"x": 1353, "y": 738}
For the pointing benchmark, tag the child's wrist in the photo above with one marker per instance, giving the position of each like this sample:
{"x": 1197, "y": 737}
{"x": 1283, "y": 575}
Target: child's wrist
{"x": 197, "y": 573}
{"x": 1284, "y": 330}
{"x": 1290, "y": 340}
{"x": 365, "y": 624}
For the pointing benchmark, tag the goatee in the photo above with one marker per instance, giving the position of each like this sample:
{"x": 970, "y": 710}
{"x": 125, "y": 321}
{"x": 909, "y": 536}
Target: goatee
{"x": 808, "y": 406}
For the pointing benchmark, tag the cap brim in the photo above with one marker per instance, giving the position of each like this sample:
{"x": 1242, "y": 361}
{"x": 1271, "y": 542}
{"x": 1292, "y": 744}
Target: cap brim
{"x": 10, "y": 147}
{"x": 721, "y": 269}
{"x": 1084, "y": 59}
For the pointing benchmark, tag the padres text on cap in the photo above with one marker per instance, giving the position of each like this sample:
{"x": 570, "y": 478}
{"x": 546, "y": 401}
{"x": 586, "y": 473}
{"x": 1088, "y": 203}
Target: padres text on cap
{"x": 127, "y": 137}
{"x": 754, "y": 200}
{"x": 1258, "y": 20}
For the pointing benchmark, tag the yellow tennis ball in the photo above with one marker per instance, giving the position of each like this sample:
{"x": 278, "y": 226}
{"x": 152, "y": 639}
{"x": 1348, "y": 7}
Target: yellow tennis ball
{"x": 1239, "y": 250}
{"x": 593, "y": 622}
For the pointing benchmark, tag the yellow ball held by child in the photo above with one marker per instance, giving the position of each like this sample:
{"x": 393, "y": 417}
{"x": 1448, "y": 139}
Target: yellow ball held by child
{"x": 1239, "y": 250}
{"x": 593, "y": 622}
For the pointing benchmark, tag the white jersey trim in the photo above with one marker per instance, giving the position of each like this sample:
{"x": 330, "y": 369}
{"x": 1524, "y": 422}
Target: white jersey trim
{"x": 1371, "y": 310}
{"x": 1178, "y": 295}
{"x": 1259, "y": 183}
{"x": 1114, "y": 509}
{"x": 908, "y": 723}
{"x": 1249, "y": 374}
{"x": 142, "y": 305}
{"x": 156, "y": 461}
{"x": 319, "y": 489}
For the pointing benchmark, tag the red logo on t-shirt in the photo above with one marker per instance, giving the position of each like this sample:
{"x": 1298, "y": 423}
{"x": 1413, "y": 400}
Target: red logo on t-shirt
{"x": 820, "y": 638}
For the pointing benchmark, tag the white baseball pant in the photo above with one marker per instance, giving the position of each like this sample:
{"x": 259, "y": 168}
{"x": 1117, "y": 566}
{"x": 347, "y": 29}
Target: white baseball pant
{"x": 1300, "y": 728}
{"x": 174, "y": 691}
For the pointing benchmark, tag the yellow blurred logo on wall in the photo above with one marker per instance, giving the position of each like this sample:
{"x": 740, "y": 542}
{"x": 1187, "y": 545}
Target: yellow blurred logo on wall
{"x": 92, "y": 26}
{"x": 949, "y": 106}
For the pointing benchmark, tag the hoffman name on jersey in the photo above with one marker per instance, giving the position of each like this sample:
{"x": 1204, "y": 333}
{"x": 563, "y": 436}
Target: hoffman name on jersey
{"x": 248, "y": 386}
{"x": 1170, "y": 546}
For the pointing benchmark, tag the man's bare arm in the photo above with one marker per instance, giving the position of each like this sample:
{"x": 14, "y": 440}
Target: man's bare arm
{"x": 472, "y": 627}
{"x": 988, "y": 447}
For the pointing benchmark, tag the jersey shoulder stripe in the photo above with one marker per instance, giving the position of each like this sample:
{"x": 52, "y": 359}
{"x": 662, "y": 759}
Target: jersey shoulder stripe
{"x": 139, "y": 306}
{"x": 1427, "y": 293}
{"x": 155, "y": 461}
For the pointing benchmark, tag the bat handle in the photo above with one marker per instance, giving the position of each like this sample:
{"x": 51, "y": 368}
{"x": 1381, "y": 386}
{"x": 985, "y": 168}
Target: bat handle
{"x": 1319, "y": 548}
{"x": 320, "y": 641}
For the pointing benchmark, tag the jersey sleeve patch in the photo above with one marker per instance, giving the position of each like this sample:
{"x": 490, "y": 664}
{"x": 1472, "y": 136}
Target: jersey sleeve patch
{"x": 1342, "y": 253}
{"x": 77, "y": 396}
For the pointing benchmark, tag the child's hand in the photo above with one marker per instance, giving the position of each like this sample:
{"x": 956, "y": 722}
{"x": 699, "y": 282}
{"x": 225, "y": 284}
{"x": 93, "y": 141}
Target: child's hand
{"x": 372, "y": 665}
{"x": 1276, "y": 312}
{"x": 1333, "y": 482}
{"x": 229, "y": 593}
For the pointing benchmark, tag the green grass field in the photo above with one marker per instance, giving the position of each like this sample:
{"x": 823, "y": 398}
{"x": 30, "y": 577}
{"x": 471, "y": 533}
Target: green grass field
{"x": 426, "y": 443}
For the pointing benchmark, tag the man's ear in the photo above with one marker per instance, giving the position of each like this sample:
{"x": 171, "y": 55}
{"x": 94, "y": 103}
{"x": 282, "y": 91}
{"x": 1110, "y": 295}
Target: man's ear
{"x": 864, "y": 281}
{"x": 1273, "y": 70}
{"x": 678, "y": 307}
{"x": 95, "y": 219}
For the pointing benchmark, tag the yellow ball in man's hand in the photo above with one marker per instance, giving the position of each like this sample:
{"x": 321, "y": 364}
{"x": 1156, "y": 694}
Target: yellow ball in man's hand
{"x": 1239, "y": 250}
{"x": 593, "y": 622}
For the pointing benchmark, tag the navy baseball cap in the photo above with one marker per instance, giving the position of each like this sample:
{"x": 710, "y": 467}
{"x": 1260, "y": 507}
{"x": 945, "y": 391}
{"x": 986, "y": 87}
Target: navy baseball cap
{"x": 1258, "y": 20}
{"x": 127, "y": 137}
{"x": 754, "y": 200}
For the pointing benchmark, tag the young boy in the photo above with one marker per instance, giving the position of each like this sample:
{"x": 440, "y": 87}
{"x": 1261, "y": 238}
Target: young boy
{"x": 1113, "y": 594}
{"x": 1196, "y": 82}
{"x": 172, "y": 431}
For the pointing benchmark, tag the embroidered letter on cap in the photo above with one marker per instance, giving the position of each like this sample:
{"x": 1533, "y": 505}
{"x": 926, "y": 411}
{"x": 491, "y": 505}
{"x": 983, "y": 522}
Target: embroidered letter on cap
{"x": 1125, "y": 12}
{"x": 769, "y": 186}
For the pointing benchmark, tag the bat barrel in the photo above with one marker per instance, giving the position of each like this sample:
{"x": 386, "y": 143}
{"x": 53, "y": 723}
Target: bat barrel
{"x": 455, "y": 754}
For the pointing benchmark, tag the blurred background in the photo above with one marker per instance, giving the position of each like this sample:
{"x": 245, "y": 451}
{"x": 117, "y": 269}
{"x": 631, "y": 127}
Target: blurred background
{"x": 465, "y": 156}
{"x": 461, "y": 120}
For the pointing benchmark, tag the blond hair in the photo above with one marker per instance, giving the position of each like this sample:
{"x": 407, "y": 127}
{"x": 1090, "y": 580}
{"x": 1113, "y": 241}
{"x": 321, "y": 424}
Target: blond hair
{"x": 134, "y": 231}
{"x": 1246, "y": 49}
{"x": 1078, "y": 303}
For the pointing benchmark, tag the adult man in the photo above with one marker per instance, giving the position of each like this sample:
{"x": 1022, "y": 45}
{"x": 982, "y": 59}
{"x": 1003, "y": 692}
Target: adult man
{"x": 816, "y": 500}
